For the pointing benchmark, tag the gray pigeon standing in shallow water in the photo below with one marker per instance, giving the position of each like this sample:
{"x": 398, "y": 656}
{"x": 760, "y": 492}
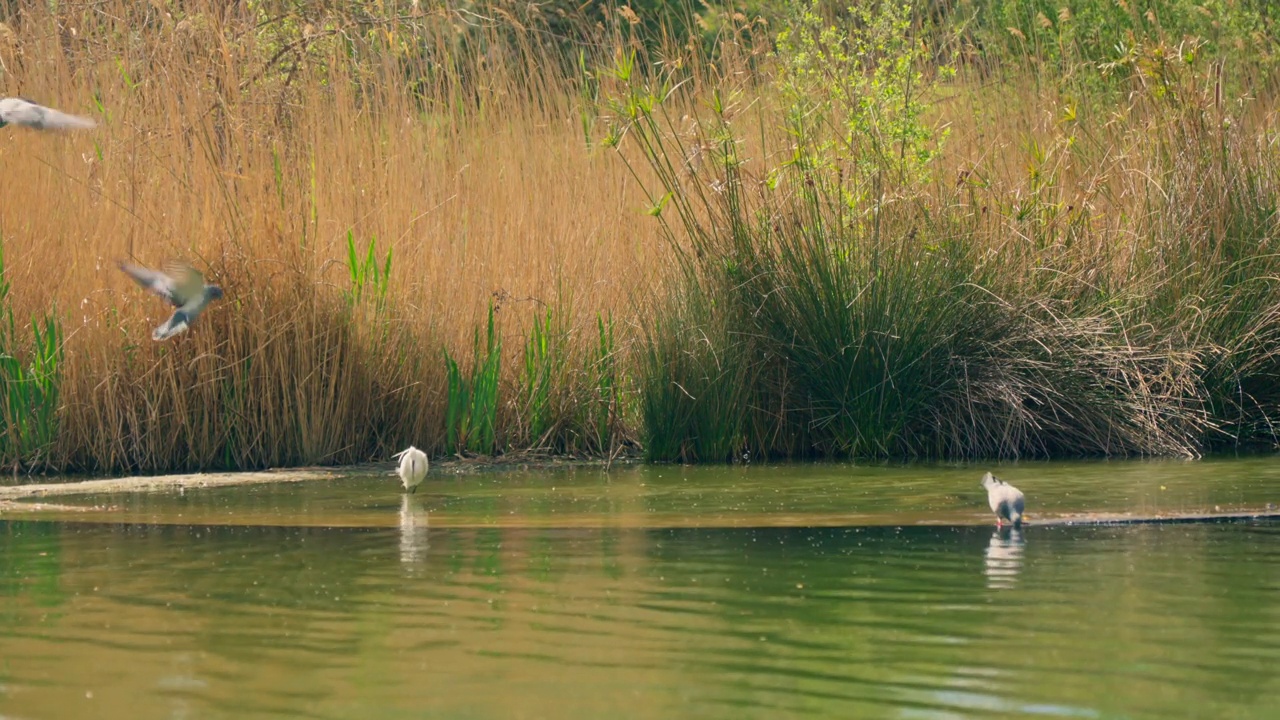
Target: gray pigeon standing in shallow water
{"x": 1006, "y": 500}
{"x": 16, "y": 111}
{"x": 183, "y": 286}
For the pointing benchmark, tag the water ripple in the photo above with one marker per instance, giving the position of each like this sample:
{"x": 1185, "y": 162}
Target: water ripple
{"x": 1139, "y": 622}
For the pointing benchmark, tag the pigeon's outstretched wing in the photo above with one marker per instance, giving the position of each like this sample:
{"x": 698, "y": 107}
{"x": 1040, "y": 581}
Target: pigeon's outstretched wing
{"x": 153, "y": 281}
{"x": 179, "y": 284}
{"x": 16, "y": 111}
{"x": 188, "y": 283}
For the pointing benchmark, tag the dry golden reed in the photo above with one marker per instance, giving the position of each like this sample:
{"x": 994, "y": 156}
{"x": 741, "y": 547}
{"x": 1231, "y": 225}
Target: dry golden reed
{"x": 253, "y": 154}
{"x": 1126, "y": 230}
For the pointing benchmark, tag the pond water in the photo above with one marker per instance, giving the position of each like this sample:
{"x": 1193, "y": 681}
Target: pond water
{"x": 651, "y": 592}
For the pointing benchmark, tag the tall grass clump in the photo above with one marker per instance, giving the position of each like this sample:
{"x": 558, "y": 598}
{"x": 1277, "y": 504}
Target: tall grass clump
{"x": 1061, "y": 36}
{"x": 1213, "y": 262}
{"x": 566, "y": 405}
{"x": 31, "y": 375}
{"x": 696, "y": 383}
{"x": 471, "y": 416}
{"x": 882, "y": 303}
{"x": 605, "y": 374}
{"x": 810, "y": 319}
{"x": 542, "y": 360}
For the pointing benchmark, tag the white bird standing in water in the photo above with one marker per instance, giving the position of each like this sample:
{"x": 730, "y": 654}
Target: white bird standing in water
{"x": 1006, "y": 500}
{"x": 413, "y": 467}
{"x": 17, "y": 111}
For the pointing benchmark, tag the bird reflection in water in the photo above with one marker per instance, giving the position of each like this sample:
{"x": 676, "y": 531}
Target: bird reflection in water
{"x": 413, "y": 529}
{"x": 1004, "y": 557}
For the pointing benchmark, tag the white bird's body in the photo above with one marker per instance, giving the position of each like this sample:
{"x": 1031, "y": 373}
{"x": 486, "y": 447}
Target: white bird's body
{"x": 1006, "y": 501}
{"x": 17, "y": 111}
{"x": 413, "y": 467}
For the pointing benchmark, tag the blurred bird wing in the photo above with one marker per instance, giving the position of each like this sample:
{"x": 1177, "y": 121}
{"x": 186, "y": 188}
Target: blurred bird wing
{"x": 406, "y": 461}
{"x": 188, "y": 283}
{"x": 409, "y": 451}
{"x": 58, "y": 120}
{"x": 153, "y": 281}
{"x": 22, "y": 112}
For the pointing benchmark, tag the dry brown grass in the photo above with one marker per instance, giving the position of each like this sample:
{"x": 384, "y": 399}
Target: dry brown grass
{"x": 253, "y": 145}
{"x": 498, "y": 199}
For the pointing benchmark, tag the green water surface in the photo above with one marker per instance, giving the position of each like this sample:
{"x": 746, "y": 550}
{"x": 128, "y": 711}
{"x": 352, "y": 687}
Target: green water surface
{"x": 651, "y": 592}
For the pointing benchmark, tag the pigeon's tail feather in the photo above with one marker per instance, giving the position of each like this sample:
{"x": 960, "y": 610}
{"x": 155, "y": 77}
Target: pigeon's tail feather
{"x": 174, "y": 326}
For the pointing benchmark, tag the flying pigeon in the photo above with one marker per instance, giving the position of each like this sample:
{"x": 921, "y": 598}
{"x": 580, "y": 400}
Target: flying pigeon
{"x": 183, "y": 286}
{"x": 1006, "y": 500}
{"x": 16, "y": 111}
{"x": 413, "y": 467}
